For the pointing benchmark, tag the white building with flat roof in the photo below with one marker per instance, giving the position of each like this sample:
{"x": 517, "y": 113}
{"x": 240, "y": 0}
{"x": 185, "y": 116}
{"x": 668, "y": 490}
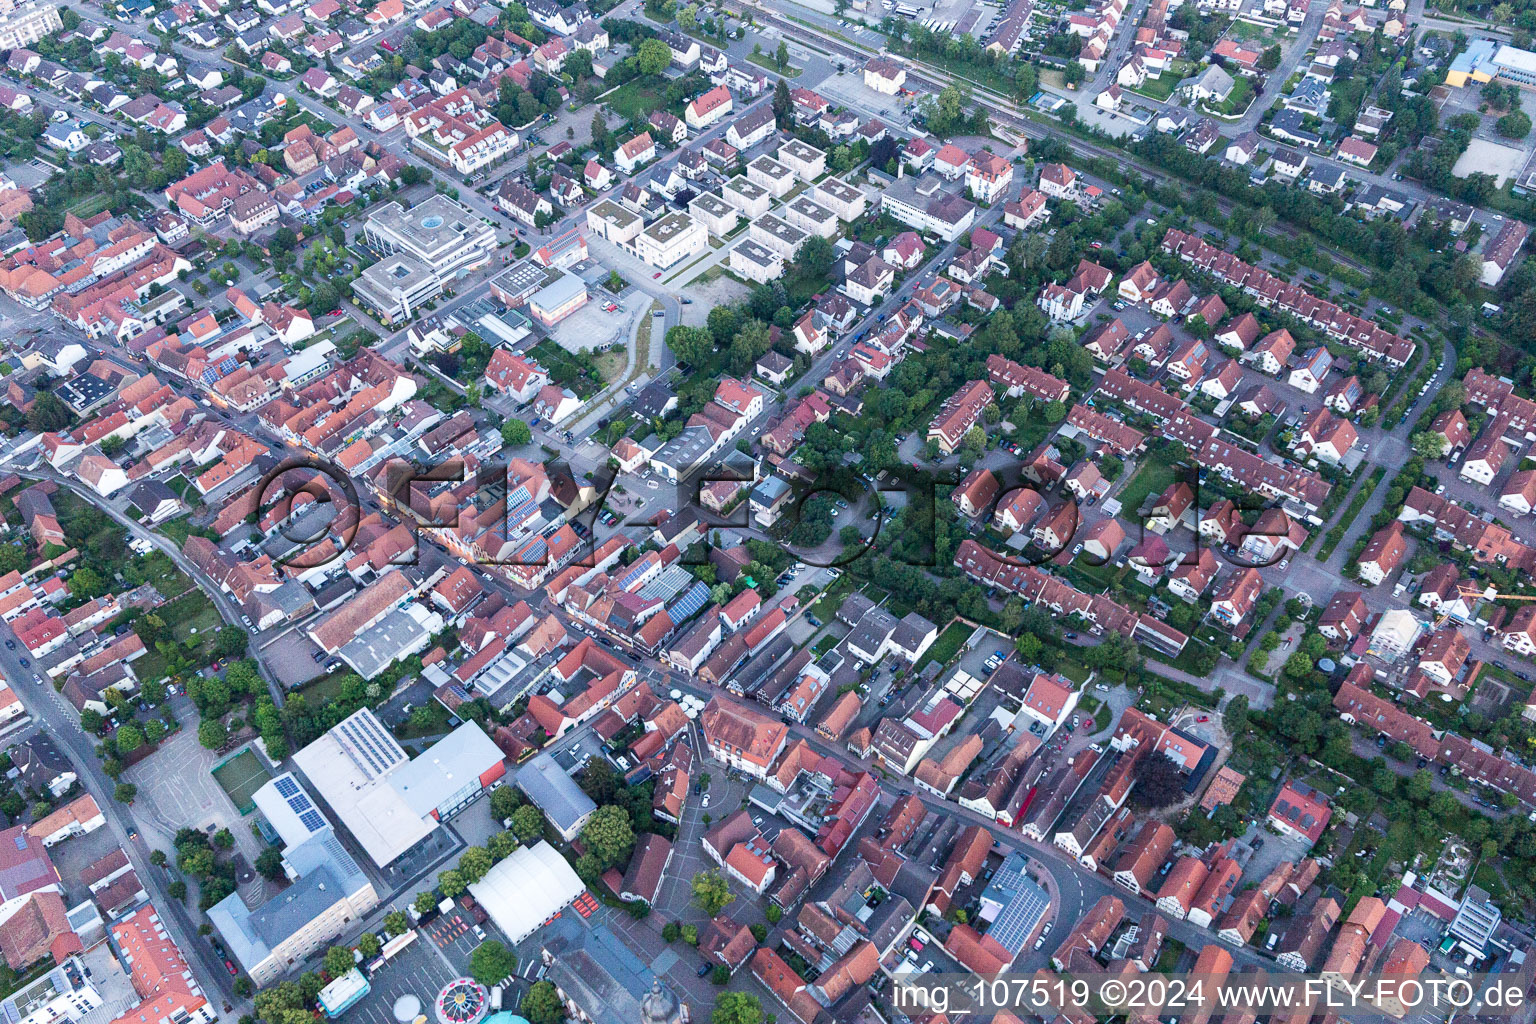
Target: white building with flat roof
{"x": 756, "y": 262}
{"x": 778, "y": 234}
{"x": 390, "y": 802}
{"x": 397, "y": 286}
{"x": 426, "y": 247}
{"x": 804, "y": 159}
{"x": 719, "y": 216}
{"x": 437, "y": 231}
{"x": 21, "y": 25}
{"x": 609, "y": 220}
{"x": 670, "y": 240}
{"x": 772, "y": 175}
{"x": 843, "y": 199}
{"x": 64, "y": 993}
{"x": 746, "y": 195}
{"x": 807, "y": 214}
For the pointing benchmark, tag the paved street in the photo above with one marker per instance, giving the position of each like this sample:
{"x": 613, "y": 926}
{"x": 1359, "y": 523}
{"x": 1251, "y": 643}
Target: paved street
{"x": 53, "y": 716}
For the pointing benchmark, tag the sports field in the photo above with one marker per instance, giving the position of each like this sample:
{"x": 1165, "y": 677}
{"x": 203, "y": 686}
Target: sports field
{"x": 241, "y": 776}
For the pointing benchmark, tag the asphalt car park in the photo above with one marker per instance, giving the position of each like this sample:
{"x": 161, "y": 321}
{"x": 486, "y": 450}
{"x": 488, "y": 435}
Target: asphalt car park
{"x": 418, "y": 970}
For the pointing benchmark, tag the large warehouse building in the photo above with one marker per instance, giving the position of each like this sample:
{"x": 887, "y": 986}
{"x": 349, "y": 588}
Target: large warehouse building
{"x": 526, "y": 889}
{"x": 390, "y": 802}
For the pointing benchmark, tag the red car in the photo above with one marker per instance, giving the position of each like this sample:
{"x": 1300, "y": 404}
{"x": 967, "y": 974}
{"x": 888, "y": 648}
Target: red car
{"x": 232, "y": 968}
{"x": 655, "y": 275}
{"x": 334, "y": 312}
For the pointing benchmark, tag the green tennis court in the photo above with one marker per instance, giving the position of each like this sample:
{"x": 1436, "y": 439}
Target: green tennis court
{"x": 241, "y": 776}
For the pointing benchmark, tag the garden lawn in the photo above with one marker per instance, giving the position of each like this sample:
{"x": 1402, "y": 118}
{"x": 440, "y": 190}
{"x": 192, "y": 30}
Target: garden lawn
{"x": 635, "y": 100}
{"x": 947, "y": 645}
{"x": 1237, "y": 101}
{"x": 1152, "y": 477}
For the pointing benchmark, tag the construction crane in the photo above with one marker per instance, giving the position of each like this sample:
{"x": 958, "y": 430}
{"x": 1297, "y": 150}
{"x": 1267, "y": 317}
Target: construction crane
{"x": 1487, "y": 593}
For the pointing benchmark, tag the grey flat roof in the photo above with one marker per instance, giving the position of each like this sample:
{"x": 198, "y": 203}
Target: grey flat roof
{"x": 371, "y": 651}
{"x": 747, "y": 187}
{"x": 561, "y": 290}
{"x": 445, "y": 767}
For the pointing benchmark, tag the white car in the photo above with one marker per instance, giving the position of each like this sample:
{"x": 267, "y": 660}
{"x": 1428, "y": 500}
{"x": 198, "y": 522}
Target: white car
{"x": 705, "y": 801}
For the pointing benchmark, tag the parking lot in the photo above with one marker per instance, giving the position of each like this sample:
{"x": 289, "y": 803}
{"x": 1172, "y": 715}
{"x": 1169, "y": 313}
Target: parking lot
{"x": 291, "y": 657}
{"x": 419, "y": 970}
{"x": 591, "y": 327}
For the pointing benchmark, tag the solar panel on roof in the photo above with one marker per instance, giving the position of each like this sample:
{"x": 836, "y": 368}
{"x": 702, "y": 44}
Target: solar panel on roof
{"x": 690, "y": 603}
{"x": 286, "y": 786}
{"x": 300, "y": 803}
{"x": 312, "y": 821}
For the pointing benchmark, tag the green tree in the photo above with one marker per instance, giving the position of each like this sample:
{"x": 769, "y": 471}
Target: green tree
{"x": 1514, "y": 125}
{"x": 474, "y": 863}
{"x": 671, "y": 931}
{"x": 231, "y": 643}
{"x": 609, "y": 835}
{"x": 515, "y": 433}
{"x": 542, "y": 1004}
{"x": 737, "y": 1008}
{"x": 1158, "y": 782}
{"x": 781, "y": 55}
{"x": 504, "y": 802}
{"x": 129, "y": 738}
{"x": 211, "y": 733}
{"x": 396, "y": 923}
{"x": 270, "y": 863}
{"x": 691, "y": 345}
{"x": 425, "y": 901}
{"x": 974, "y": 442}
{"x": 369, "y": 945}
{"x": 491, "y": 962}
{"x": 1429, "y": 444}
{"x": 711, "y": 893}
{"x": 652, "y": 57}
{"x": 720, "y": 974}
{"x": 452, "y": 883}
{"x": 1270, "y": 58}
{"x": 528, "y": 823}
{"x": 773, "y": 913}
{"x": 723, "y": 323}
{"x": 338, "y": 961}
{"x": 782, "y": 105}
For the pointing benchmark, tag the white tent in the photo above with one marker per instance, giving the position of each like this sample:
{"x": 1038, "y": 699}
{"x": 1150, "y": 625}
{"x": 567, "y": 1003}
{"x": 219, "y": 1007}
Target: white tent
{"x": 526, "y": 889}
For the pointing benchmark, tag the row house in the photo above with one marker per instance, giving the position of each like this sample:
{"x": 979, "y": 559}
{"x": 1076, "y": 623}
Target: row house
{"x": 1270, "y": 291}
